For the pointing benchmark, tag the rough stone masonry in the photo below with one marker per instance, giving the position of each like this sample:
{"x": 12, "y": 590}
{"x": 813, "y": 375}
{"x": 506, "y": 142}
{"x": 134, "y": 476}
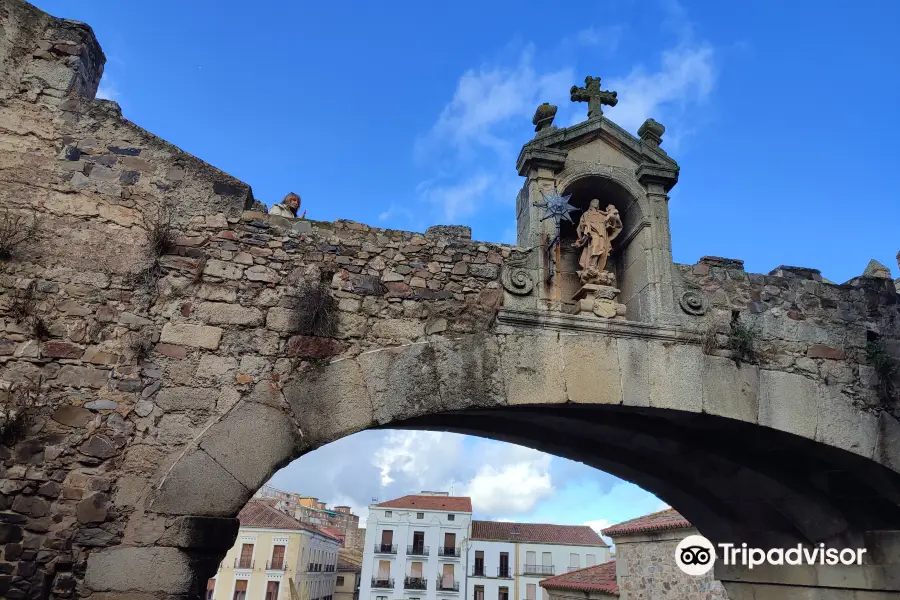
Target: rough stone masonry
{"x": 157, "y": 362}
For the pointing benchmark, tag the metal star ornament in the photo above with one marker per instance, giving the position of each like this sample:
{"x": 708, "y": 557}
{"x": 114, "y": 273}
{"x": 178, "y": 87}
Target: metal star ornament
{"x": 557, "y": 207}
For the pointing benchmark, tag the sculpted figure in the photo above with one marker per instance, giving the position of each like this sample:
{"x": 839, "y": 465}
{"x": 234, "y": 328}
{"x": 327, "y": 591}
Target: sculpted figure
{"x": 596, "y": 231}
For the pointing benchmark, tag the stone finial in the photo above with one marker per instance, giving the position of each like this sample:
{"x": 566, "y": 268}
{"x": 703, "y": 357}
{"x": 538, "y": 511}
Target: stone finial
{"x": 651, "y": 132}
{"x": 877, "y": 270}
{"x": 543, "y": 116}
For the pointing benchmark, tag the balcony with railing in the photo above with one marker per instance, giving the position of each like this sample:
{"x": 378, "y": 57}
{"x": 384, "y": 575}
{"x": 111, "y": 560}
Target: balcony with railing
{"x": 538, "y": 570}
{"x": 243, "y": 563}
{"x": 417, "y": 550}
{"x": 415, "y": 583}
{"x": 444, "y": 585}
{"x": 329, "y": 568}
{"x": 385, "y": 548}
{"x": 479, "y": 571}
{"x": 275, "y": 565}
{"x": 504, "y": 572}
{"x": 383, "y": 583}
{"x": 314, "y": 568}
{"x": 448, "y": 552}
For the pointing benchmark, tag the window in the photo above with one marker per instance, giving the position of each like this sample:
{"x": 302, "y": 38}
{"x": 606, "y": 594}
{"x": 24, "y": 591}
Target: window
{"x": 503, "y": 594}
{"x": 503, "y": 571}
{"x": 420, "y": 515}
{"x": 415, "y": 570}
{"x": 530, "y": 590}
{"x": 246, "y": 559}
{"x": 340, "y": 580}
{"x": 479, "y": 566}
{"x": 479, "y": 592}
{"x": 530, "y": 560}
{"x": 574, "y": 561}
{"x": 380, "y": 597}
{"x": 277, "y": 558}
{"x": 388, "y": 513}
{"x": 240, "y": 589}
{"x": 272, "y": 590}
{"x": 418, "y": 545}
{"x": 210, "y": 589}
{"x": 590, "y": 560}
{"x": 451, "y": 517}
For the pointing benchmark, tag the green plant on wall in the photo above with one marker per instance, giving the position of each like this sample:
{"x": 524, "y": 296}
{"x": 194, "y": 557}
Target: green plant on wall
{"x": 885, "y": 368}
{"x": 742, "y": 340}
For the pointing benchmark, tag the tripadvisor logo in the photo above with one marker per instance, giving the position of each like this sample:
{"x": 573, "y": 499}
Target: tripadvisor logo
{"x": 696, "y": 555}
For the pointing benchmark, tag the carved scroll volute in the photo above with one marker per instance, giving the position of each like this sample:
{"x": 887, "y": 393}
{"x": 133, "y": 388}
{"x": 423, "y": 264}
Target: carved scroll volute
{"x": 516, "y": 277}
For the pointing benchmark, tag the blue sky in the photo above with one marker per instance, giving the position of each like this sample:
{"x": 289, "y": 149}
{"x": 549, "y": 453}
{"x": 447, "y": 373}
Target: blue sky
{"x": 408, "y": 114}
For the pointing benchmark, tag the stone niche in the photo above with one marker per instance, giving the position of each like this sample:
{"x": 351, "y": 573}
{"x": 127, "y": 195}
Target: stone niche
{"x": 597, "y": 159}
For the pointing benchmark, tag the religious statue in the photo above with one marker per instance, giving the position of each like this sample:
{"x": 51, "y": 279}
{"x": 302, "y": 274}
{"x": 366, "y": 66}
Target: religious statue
{"x": 596, "y": 231}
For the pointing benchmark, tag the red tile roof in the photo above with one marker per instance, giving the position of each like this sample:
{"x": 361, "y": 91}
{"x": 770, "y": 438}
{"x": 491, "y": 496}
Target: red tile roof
{"x": 261, "y": 514}
{"x": 658, "y": 521}
{"x": 576, "y": 535}
{"x": 448, "y": 503}
{"x": 599, "y": 578}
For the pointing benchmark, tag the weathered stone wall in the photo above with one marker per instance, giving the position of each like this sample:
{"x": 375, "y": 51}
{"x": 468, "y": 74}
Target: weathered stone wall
{"x": 159, "y": 391}
{"x": 646, "y": 570}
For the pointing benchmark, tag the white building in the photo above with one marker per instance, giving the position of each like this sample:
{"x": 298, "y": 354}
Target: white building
{"x": 507, "y": 561}
{"x": 414, "y": 548}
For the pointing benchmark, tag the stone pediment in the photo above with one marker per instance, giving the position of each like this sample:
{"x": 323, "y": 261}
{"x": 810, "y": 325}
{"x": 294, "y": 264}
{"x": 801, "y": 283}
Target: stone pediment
{"x": 601, "y": 139}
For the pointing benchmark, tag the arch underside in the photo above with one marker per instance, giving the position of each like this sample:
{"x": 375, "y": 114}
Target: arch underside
{"x": 737, "y": 482}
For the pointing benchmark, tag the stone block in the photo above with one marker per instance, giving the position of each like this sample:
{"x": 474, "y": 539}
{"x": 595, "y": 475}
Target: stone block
{"x": 221, "y": 313}
{"x": 308, "y": 346}
{"x": 531, "y": 367}
{"x": 236, "y": 442}
{"x": 195, "y": 336}
{"x": 842, "y": 425}
{"x": 787, "y": 402}
{"x": 201, "y": 533}
{"x": 887, "y": 448}
{"x": 283, "y": 320}
{"x": 72, "y": 416}
{"x": 591, "y": 368}
{"x": 215, "y": 367}
{"x": 634, "y": 366}
{"x": 225, "y": 270}
{"x": 176, "y": 399}
{"x": 675, "y": 377}
{"x": 402, "y": 381}
{"x": 171, "y": 350}
{"x": 398, "y": 330}
{"x": 261, "y": 273}
{"x": 730, "y": 391}
{"x": 126, "y": 569}
{"x": 468, "y": 372}
{"x": 330, "y": 403}
{"x": 199, "y": 486}
{"x": 75, "y": 376}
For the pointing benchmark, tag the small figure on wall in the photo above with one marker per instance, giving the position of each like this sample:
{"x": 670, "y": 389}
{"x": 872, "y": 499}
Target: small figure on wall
{"x": 288, "y": 208}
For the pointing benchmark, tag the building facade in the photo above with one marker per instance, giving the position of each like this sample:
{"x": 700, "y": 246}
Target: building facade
{"x": 349, "y": 571}
{"x": 508, "y": 561}
{"x": 272, "y": 551}
{"x": 414, "y": 548}
{"x": 311, "y": 511}
{"x": 645, "y": 560}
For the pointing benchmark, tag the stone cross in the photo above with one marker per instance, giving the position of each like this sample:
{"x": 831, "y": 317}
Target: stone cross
{"x": 594, "y": 96}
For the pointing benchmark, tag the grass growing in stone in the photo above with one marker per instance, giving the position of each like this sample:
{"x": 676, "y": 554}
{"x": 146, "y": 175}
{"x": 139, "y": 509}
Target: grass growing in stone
{"x": 315, "y": 309}
{"x": 885, "y": 368}
{"x": 15, "y": 231}
{"x": 742, "y": 340}
{"x": 14, "y": 416}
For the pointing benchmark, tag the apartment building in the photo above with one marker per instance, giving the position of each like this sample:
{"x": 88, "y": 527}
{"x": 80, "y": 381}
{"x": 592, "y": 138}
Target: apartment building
{"x": 507, "y": 561}
{"x": 414, "y": 548}
{"x": 272, "y": 551}
{"x": 349, "y": 569}
{"x": 311, "y": 511}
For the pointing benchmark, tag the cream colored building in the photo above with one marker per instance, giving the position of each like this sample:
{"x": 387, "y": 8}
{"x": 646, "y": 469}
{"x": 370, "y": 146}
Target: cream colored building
{"x": 272, "y": 551}
{"x": 349, "y": 570}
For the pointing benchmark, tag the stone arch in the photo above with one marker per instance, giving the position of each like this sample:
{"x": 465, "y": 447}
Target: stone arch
{"x": 749, "y": 476}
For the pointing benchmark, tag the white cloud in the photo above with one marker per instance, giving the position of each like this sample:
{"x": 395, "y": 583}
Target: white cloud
{"x": 599, "y": 525}
{"x": 686, "y": 76}
{"x": 488, "y": 97}
{"x": 457, "y": 200}
{"x": 515, "y": 481}
{"x": 422, "y": 458}
{"x": 107, "y": 89}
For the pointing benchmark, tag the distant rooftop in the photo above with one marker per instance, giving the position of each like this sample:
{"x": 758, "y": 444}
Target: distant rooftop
{"x": 261, "y": 514}
{"x": 431, "y": 502}
{"x": 576, "y": 535}
{"x": 600, "y": 578}
{"x": 658, "y": 521}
